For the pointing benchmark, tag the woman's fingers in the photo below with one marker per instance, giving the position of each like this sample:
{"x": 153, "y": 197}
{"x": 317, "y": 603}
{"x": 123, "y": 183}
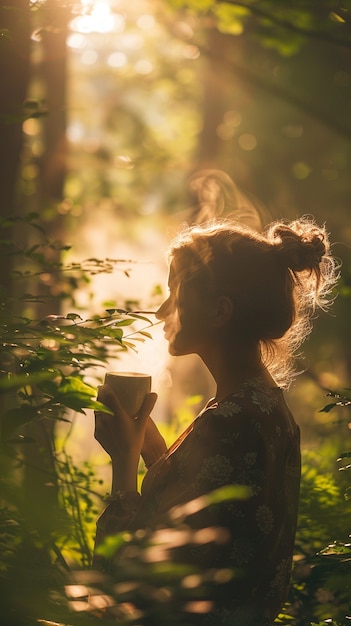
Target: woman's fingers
{"x": 110, "y": 399}
{"x": 147, "y": 406}
{"x": 119, "y": 433}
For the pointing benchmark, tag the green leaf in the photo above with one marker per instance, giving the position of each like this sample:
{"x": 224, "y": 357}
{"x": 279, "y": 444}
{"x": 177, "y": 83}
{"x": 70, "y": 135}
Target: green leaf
{"x": 112, "y": 311}
{"x": 328, "y": 408}
{"x": 73, "y": 316}
{"x": 344, "y": 455}
{"x": 98, "y": 406}
{"x": 125, "y": 322}
{"x": 75, "y": 394}
{"x": 111, "y": 544}
{"x": 74, "y": 384}
{"x": 112, "y": 333}
{"x": 229, "y": 493}
{"x": 16, "y": 381}
{"x": 145, "y": 334}
{"x": 137, "y": 316}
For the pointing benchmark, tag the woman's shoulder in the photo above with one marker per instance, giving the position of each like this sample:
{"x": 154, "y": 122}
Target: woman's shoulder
{"x": 255, "y": 408}
{"x": 254, "y": 396}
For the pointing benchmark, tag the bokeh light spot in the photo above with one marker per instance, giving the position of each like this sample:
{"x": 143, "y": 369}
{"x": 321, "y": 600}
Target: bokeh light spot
{"x": 301, "y": 170}
{"x": 225, "y": 132}
{"x": 82, "y": 24}
{"x": 143, "y": 66}
{"x": 31, "y": 127}
{"x": 38, "y": 148}
{"x": 232, "y": 118}
{"x": 75, "y": 132}
{"x": 30, "y": 172}
{"x": 124, "y": 162}
{"x": 76, "y": 41}
{"x": 191, "y": 582}
{"x": 89, "y": 57}
{"x": 146, "y": 22}
{"x": 117, "y": 59}
{"x": 199, "y": 606}
{"x": 247, "y": 142}
{"x": 191, "y": 52}
{"x": 132, "y": 41}
{"x": 36, "y": 35}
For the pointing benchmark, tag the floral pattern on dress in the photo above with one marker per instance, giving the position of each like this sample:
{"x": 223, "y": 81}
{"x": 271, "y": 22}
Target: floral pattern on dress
{"x": 280, "y": 578}
{"x": 248, "y": 439}
{"x": 227, "y": 408}
{"x": 243, "y": 552}
{"x": 265, "y": 519}
{"x": 250, "y": 458}
{"x": 262, "y": 398}
{"x": 216, "y": 470}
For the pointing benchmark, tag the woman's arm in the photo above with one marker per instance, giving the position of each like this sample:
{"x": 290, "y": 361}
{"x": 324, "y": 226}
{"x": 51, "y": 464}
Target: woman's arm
{"x": 154, "y": 444}
{"x": 123, "y": 438}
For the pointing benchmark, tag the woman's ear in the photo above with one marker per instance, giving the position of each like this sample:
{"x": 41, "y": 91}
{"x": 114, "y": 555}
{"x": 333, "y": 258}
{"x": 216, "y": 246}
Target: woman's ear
{"x": 222, "y": 311}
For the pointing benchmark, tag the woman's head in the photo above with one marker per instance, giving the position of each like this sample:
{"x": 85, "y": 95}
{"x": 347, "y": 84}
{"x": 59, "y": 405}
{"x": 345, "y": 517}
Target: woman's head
{"x": 274, "y": 281}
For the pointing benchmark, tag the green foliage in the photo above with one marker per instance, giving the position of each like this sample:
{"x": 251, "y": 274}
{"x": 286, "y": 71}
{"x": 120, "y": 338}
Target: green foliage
{"x": 44, "y": 361}
{"x": 153, "y": 571}
{"x": 321, "y": 588}
{"x": 48, "y": 504}
{"x": 230, "y": 18}
{"x": 80, "y": 497}
{"x": 282, "y": 26}
{"x": 340, "y": 401}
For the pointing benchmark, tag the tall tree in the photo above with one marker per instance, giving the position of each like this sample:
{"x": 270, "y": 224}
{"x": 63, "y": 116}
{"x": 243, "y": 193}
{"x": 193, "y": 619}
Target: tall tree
{"x": 15, "y": 31}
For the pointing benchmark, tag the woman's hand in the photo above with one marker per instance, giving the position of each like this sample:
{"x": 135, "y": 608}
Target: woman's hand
{"x": 122, "y": 437}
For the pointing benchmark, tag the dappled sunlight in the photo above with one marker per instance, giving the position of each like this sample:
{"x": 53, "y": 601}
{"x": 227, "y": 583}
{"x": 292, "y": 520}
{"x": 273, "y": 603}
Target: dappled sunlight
{"x": 99, "y": 19}
{"x": 123, "y": 122}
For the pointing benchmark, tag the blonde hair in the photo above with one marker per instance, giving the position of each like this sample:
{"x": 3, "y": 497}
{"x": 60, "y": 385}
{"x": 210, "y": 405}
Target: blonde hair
{"x": 276, "y": 280}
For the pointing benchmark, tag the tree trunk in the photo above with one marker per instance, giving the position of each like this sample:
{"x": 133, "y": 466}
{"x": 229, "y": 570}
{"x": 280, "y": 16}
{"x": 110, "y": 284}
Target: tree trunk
{"x": 15, "y": 22}
{"x": 40, "y": 475}
{"x": 54, "y": 75}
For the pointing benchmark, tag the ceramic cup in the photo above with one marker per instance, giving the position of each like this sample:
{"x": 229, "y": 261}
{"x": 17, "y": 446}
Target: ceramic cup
{"x": 131, "y": 389}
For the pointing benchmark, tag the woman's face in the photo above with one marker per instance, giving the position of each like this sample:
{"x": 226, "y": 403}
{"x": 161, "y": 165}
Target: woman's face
{"x": 185, "y": 315}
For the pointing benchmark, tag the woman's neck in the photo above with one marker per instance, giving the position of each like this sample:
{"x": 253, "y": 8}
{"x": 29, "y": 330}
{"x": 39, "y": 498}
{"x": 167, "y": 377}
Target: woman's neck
{"x": 231, "y": 368}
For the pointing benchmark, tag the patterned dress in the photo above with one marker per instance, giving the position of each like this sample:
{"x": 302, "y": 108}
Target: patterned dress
{"x": 249, "y": 440}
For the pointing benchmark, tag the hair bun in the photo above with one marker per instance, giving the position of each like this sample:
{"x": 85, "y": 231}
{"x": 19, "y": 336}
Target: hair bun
{"x": 300, "y": 250}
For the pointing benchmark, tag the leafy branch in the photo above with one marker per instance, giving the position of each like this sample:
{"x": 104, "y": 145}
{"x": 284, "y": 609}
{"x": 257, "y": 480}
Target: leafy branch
{"x": 46, "y": 361}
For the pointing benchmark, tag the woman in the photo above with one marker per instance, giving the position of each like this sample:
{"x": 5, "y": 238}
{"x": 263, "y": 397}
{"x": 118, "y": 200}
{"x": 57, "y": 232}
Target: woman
{"x": 243, "y": 302}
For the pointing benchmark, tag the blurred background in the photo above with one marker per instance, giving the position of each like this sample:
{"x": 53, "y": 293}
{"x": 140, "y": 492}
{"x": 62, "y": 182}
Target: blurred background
{"x": 115, "y": 113}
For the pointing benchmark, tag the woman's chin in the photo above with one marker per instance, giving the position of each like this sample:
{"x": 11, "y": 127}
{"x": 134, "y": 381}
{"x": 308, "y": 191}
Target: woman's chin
{"x": 171, "y": 350}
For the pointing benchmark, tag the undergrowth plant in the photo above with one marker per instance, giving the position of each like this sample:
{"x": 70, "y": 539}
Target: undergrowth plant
{"x": 321, "y": 581}
{"x": 49, "y": 362}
